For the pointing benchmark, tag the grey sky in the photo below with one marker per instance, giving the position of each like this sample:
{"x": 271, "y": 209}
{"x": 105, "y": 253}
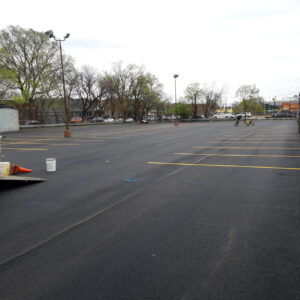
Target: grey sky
{"x": 229, "y": 42}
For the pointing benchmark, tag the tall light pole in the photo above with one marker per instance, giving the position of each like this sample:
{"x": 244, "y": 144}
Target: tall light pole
{"x": 299, "y": 112}
{"x": 50, "y": 34}
{"x": 175, "y": 76}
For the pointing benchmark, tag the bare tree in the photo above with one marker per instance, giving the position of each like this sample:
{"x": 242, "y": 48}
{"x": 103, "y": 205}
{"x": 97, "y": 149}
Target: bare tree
{"x": 121, "y": 83}
{"x": 213, "y": 98}
{"x": 135, "y": 90}
{"x": 194, "y": 94}
{"x": 111, "y": 101}
{"x": 88, "y": 89}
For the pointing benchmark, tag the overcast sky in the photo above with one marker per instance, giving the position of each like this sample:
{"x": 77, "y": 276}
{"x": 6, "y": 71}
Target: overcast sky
{"x": 232, "y": 42}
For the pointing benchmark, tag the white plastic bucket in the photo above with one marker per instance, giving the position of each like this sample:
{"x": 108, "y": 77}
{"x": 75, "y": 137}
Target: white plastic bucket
{"x": 4, "y": 168}
{"x": 51, "y": 164}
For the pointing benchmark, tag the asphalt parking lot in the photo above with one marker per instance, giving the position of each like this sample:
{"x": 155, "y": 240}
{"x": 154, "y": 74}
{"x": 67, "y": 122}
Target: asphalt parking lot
{"x": 154, "y": 211}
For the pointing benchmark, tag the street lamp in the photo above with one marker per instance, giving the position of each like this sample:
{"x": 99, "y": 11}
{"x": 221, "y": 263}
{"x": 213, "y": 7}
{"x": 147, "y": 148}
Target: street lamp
{"x": 175, "y": 76}
{"x": 299, "y": 112}
{"x": 50, "y": 34}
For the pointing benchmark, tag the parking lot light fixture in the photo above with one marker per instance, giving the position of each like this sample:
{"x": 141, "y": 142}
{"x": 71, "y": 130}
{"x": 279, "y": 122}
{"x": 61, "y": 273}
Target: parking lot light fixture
{"x": 175, "y": 76}
{"x": 299, "y": 113}
{"x": 50, "y": 34}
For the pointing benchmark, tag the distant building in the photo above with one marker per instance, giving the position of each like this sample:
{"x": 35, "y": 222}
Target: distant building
{"x": 290, "y": 106}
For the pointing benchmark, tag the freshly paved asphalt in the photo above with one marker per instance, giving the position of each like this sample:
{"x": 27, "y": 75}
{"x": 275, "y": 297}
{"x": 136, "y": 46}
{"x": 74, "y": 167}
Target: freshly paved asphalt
{"x": 124, "y": 217}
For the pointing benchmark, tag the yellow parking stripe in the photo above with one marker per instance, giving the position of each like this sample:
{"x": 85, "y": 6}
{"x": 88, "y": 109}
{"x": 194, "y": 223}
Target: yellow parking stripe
{"x": 26, "y": 149}
{"x": 240, "y": 142}
{"x": 225, "y": 166}
{"x": 34, "y": 143}
{"x": 88, "y": 140}
{"x": 243, "y": 155}
{"x": 260, "y": 138}
{"x": 78, "y": 139}
{"x": 32, "y": 139}
{"x": 224, "y": 147}
{"x": 273, "y": 131}
{"x": 259, "y": 135}
{"x": 60, "y": 140}
{"x": 35, "y": 136}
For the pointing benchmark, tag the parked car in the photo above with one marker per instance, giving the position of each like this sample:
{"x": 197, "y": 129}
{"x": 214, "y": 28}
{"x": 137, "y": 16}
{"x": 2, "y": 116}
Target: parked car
{"x": 97, "y": 119}
{"x": 109, "y": 120}
{"x": 120, "y": 120}
{"x": 32, "y": 122}
{"x": 76, "y": 120}
{"x": 223, "y": 116}
{"x": 129, "y": 120}
{"x": 248, "y": 115}
{"x": 284, "y": 114}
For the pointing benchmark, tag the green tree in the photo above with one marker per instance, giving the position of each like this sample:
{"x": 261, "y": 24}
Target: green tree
{"x": 152, "y": 98}
{"x": 183, "y": 109}
{"x": 30, "y": 64}
{"x": 237, "y": 107}
{"x": 249, "y": 95}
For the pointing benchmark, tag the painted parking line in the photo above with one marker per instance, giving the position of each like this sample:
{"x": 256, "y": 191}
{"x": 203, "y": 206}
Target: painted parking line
{"x": 258, "y": 138}
{"x": 239, "y": 155}
{"x": 32, "y": 138}
{"x": 35, "y": 137}
{"x": 60, "y": 140}
{"x": 260, "y": 142}
{"x": 274, "y": 131}
{"x": 262, "y": 148}
{"x": 36, "y": 143}
{"x": 86, "y": 140}
{"x": 25, "y": 149}
{"x": 111, "y": 136}
{"x": 221, "y": 166}
{"x": 96, "y": 140}
{"x": 259, "y": 135}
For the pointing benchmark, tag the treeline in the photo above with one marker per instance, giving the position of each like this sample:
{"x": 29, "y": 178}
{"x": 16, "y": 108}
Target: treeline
{"x": 30, "y": 73}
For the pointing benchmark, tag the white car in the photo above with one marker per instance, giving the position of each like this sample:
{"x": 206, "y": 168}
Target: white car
{"x": 223, "y": 116}
{"x": 97, "y": 119}
{"x": 109, "y": 120}
{"x": 248, "y": 115}
{"x": 119, "y": 120}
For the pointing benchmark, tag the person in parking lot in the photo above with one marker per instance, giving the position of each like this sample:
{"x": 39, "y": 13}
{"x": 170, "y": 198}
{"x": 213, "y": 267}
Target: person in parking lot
{"x": 238, "y": 118}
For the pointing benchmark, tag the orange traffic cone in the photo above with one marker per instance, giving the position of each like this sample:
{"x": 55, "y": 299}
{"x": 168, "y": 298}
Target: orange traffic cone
{"x": 15, "y": 169}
